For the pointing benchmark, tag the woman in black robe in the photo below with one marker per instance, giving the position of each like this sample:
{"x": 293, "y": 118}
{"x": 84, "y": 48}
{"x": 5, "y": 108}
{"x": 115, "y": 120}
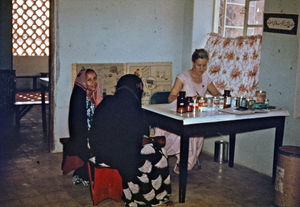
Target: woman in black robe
{"x": 84, "y": 99}
{"x": 116, "y": 140}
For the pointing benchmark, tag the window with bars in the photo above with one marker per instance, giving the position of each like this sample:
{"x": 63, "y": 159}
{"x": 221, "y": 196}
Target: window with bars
{"x": 238, "y": 17}
{"x": 30, "y": 27}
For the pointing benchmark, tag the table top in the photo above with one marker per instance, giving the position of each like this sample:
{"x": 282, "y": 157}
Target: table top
{"x": 30, "y": 98}
{"x": 208, "y": 116}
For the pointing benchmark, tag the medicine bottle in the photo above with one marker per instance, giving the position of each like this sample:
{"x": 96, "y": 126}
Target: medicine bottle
{"x": 227, "y": 99}
{"x": 181, "y": 102}
{"x": 189, "y": 104}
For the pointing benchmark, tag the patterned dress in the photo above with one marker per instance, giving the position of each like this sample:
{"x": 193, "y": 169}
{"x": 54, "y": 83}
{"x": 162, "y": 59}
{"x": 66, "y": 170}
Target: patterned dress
{"x": 152, "y": 185}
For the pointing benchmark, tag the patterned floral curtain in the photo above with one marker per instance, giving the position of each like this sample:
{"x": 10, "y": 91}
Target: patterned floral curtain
{"x": 234, "y": 63}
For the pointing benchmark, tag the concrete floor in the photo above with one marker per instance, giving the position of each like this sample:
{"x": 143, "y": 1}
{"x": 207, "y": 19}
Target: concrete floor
{"x": 31, "y": 176}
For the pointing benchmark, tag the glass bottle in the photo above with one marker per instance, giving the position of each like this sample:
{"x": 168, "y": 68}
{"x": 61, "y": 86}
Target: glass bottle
{"x": 209, "y": 100}
{"x": 221, "y": 102}
{"x": 189, "y": 104}
{"x": 216, "y": 102}
{"x": 227, "y": 99}
{"x": 181, "y": 102}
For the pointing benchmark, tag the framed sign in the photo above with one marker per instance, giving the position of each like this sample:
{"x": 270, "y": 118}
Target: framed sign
{"x": 281, "y": 23}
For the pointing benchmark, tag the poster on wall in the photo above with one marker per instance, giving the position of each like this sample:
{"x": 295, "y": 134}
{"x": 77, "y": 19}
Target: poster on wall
{"x": 108, "y": 74}
{"x": 281, "y": 23}
{"x": 156, "y": 76}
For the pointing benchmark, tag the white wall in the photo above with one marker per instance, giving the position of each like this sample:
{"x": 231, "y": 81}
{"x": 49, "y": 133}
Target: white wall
{"x": 187, "y": 35}
{"x": 280, "y": 65}
{"x": 103, "y": 31}
{"x": 198, "y": 23}
{"x": 203, "y": 22}
{"x": 297, "y": 102}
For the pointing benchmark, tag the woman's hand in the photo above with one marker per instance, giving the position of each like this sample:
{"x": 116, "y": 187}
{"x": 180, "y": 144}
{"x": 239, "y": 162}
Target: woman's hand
{"x": 213, "y": 90}
{"x": 178, "y": 85}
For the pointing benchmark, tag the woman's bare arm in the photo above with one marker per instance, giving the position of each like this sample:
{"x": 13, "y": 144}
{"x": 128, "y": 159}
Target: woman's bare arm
{"x": 178, "y": 85}
{"x": 213, "y": 90}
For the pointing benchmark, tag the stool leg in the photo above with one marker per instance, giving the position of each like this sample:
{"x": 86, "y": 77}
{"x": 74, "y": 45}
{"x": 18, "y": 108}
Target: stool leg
{"x": 91, "y": 184}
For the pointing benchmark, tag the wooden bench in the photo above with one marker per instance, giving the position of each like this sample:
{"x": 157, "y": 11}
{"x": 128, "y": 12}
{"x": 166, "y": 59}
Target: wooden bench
{"x": 26, "y": 98}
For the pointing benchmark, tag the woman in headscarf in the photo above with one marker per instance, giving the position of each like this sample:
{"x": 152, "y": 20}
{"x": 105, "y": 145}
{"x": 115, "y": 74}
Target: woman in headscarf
{"x": 84, "y": 99}
{"x": 116, "y": 140}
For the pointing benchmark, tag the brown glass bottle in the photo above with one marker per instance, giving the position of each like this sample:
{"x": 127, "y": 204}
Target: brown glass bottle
{"x": 189, "y": 104}
{"x": 181, "y": 102}
{"x": 227, "y": 99}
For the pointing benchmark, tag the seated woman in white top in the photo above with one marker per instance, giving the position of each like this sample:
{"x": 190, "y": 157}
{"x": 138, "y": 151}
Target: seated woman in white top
{"x": 194, "y": 82}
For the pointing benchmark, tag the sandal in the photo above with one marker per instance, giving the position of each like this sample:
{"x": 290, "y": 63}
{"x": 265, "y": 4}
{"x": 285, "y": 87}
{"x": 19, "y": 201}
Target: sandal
{"x": 169, "y": 203}
{"x": 176, "y": 169}
{"x": 85, "y": 183}
{"x": 76, "y": 180}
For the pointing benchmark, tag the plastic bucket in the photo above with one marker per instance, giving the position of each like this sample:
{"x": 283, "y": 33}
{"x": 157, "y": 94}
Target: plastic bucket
{"x": 221, "y": 151}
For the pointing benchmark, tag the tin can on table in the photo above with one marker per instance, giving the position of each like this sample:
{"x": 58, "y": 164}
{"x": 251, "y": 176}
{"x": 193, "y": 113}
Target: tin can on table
{"x": 260, "y": 96}
{"x": 251, "y": 101}
{"x": 235, "y": 103}
{"x": 216, "y": 102}
{"x": 201, "y": 102}
{"x": 195, "y": 104}
{"x": 243, "y": 102}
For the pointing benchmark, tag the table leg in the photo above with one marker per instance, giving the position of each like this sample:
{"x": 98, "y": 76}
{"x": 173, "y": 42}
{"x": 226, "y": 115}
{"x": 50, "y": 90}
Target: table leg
{"x": 17, "y": 117}
{"x": 44, "y": 121}
{"x": 231, "y": 149}
{"x": 184, "y": 149}
{"x": 278, "y": 142}
{"x": 20, "y": 111}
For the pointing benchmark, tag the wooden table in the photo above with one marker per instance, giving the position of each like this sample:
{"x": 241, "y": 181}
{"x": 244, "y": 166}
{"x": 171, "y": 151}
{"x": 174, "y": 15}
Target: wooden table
{"x": 26, "y": 99}
{"x": 24, "y": 102}
{"x": 213, "y": 123}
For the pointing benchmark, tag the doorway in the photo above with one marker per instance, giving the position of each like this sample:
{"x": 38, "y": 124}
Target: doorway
{"x": 31, "y": 49}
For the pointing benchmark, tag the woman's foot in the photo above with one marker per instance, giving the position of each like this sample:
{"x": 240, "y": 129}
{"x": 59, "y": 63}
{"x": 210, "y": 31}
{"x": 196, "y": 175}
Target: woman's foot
{"x": 169, "y": 203}
{"x": 176, "y": 169}
{"x": 76, "y": 180}
{"x": 85, "y": 183}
